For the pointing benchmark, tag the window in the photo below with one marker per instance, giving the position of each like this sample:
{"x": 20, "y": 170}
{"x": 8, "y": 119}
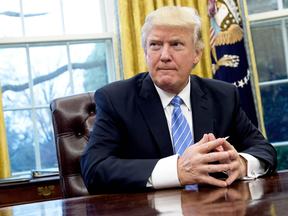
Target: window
{"x": 269, "y": 28}
{"x": 55, "y": 48}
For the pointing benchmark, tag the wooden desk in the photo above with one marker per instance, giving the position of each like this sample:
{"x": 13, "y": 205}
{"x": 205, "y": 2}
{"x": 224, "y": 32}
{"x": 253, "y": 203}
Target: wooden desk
{"x": 34, "y": 190}
{"x": 263, "y": 196}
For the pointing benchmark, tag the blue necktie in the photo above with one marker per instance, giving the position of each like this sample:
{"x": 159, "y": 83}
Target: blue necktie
{"x": 182, "y": 136}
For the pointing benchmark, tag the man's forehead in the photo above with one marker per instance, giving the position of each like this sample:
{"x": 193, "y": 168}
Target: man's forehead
{"x": 174, "y": 31}
{"x": 171, "y": 38}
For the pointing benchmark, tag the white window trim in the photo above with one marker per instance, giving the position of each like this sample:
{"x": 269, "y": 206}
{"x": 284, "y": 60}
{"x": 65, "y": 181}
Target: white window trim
{"x": 268, "y": 15}
{"x": 278, "y": 144}
{"x": 108, "y": 22}
{"x": 57, "y": 38}
{"x": 272, "y": 16}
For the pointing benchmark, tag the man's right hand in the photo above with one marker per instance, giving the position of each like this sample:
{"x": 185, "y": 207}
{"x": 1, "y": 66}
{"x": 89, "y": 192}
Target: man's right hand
{"x": 193, "y": 167}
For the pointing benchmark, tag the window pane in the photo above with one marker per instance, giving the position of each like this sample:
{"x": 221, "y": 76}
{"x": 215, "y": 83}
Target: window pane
{"x": 82, "y": 16}
{"x": 33, "y": 74}
{"x": 46, "y": 139}
{"x": 14, "y": 78}
{"x": 42, "y": 17}
{"x": 50, "y": 73}
{"x": 269, "y": 51}
{"x": 285, "y": 3}
{"x": 89, "y": 66}
{"x": 282, "y": 159}
{"x": 19, "y": 130}
{"x": 275, "y": 111}
{"x": 259, "y": 6}
{"x": 10, "y": 16}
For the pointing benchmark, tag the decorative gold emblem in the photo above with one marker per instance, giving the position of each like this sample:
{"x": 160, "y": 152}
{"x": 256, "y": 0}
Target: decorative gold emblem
{"x": 226, "y": 60}
{"x": 46, "y": 191}
{"x": 227, "y": 14}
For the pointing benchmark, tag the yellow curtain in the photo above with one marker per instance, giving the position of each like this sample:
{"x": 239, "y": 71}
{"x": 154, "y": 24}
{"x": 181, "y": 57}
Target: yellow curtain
{"x": 4, "y": 156}
{"x": 132, "y": 13}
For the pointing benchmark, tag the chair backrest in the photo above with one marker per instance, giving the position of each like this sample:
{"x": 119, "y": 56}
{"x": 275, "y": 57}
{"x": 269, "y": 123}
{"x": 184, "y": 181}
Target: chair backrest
{"x": 73, "y": 119}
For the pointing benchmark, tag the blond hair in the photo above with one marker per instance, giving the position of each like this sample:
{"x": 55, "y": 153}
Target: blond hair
{"x": 175, "y": 16}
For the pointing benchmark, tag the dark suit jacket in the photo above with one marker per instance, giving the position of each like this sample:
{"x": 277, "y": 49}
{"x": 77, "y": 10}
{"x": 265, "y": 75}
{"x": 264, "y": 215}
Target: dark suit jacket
{"x": 130, "y": 132}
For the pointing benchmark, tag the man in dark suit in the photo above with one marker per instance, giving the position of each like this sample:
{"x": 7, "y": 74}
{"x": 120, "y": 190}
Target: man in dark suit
{"x": 131, "y": 146}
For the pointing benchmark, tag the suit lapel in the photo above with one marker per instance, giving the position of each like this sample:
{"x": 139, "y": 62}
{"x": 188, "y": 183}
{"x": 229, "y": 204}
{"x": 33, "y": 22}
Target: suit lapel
{"x": 154, "y": 115}
{"x": 201, "y": 110}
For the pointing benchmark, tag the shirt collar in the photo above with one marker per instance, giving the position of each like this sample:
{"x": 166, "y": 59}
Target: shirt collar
{"x": 166, "y": 97}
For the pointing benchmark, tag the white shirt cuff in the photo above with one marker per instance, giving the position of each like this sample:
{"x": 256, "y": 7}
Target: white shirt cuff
{"x": 164, "y": 174}
{"x": 255, "y": 167}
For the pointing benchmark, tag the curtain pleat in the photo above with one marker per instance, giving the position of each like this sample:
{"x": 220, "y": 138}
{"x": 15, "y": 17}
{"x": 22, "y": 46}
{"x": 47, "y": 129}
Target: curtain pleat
{"x": 132, "y": 15}
{"x": 4, "y": 155}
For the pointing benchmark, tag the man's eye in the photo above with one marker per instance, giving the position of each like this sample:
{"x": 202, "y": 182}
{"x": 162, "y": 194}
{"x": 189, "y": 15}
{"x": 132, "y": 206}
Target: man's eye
{"x": 178, "y": 44}
{"x": 154, "y": 46}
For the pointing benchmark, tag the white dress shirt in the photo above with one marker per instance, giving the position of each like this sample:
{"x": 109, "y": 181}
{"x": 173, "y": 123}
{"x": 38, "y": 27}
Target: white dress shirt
{"x": 164, "y": 174}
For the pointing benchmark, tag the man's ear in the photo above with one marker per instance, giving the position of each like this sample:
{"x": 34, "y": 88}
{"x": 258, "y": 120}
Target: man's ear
{"x": 145, "y": 55}
{"x": 197, "y": 56}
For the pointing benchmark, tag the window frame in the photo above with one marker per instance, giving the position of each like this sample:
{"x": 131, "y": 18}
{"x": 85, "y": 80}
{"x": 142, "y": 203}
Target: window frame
{"x": 108, "y": 36}
{"x": 272, "y": 16}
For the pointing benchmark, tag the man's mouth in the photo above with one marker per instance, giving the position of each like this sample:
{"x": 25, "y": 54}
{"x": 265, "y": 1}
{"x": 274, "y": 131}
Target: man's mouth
{"x": 166, "y": 69}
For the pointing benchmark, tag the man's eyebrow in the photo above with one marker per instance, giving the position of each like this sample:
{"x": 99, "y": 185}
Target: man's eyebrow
{"x": 154, "y": 39}
{"x": 176, "y": 39}
{"x": 173, "y": 39}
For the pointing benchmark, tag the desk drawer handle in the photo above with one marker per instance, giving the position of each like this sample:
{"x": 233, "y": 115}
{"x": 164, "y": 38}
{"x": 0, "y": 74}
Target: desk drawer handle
{"x": 46, "y": 191}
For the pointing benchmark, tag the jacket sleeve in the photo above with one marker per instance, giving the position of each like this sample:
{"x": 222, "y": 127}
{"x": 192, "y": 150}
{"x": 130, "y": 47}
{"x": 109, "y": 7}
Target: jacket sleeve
{"x": 106, "y": 165}
{"x": 248, "y": 139}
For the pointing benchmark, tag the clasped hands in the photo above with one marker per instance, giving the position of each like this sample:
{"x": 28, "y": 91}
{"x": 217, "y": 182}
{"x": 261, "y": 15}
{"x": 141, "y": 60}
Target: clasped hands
{"x": 193, "y": 166}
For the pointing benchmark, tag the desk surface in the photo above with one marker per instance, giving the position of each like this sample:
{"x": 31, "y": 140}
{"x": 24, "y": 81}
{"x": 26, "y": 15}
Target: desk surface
{"x": 263, "y": 196}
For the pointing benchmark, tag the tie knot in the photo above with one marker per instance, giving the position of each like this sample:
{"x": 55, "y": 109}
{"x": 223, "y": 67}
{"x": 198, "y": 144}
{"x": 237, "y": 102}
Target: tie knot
{"x": 176, "y": 101}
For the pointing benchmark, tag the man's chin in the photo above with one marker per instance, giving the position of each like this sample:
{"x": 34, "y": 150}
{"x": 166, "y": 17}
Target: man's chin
{"x": 167, "y": 86}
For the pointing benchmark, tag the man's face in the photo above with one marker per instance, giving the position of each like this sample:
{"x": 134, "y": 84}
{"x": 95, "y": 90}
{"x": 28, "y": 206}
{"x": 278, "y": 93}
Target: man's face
{"x": 170, "y": 57}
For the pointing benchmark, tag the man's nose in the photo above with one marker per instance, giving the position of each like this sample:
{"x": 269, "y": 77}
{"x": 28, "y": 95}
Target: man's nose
{"x": 165, "y": 54}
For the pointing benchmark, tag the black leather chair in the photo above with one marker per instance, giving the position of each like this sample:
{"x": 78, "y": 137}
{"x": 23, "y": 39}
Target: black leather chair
{"x": 73, "y": 118}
